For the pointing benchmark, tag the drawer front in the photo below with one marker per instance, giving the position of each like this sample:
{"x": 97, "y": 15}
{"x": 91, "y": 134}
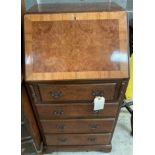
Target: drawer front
{"x": 78, "y": 126}
{"x": 76, "y": 92}
{"x": 77, "y": 110}
{"x": 77, "y": 139}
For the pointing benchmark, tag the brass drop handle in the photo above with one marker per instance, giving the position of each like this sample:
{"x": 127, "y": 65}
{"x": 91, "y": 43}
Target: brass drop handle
{"x": 62, "y": 140}
{"x": 92, "y": 139}
{"x": 96, "y": 111}
{"x": 58, "y": 112}
{"x": 60, "y": 126}
{"x": 93, "y": 126}
{"x": 56, "y": 94}
{"x": 97, "y": 93}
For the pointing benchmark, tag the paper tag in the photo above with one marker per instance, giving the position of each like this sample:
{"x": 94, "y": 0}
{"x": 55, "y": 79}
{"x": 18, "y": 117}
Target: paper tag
{"x": 99, "y": 103}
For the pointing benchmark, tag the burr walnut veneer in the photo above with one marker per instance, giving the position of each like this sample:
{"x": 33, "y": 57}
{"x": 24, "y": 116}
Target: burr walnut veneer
{"x": 72, "y": 56}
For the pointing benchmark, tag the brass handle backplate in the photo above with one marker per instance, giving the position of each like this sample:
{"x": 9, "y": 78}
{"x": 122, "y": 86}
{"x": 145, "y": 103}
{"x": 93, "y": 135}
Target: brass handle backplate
{"x": 93, "y": 126}
{"x": 97, "y": 93}
{"x": 62, "y": 140}
{"x": 56, "y": 94}
{"x": 60, "y": 126}
{"x": 92, "y": 139}
{"x": 58, "y": 112}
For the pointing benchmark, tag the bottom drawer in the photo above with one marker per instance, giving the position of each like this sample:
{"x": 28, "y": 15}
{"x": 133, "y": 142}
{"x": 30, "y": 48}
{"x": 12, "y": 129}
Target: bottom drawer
{"x": 78, "y": 139}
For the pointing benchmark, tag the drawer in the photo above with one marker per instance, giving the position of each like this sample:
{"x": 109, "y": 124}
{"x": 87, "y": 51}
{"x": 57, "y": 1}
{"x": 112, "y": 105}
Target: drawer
{"x": 76, "y": 110}
{"x": 78, "y": 125}
{"x": 77, "y": 139}
{"x": 76, "y": 92}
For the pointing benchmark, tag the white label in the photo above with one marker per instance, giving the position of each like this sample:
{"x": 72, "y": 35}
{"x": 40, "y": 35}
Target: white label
{"x": 99, "y": 103}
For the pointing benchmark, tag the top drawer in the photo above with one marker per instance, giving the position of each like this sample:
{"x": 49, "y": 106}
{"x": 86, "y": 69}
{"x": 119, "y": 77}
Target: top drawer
{"x": 77, "y": 92}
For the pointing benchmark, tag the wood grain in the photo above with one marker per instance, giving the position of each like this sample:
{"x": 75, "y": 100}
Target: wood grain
{"x": 78, "y": 125}
{"x": 71, "y": 51}
{"x": 77, "y": 139}
{"x": 83, "y": 46}
{"x": 77, "y": 92}
{"x": 76, "y": 110}
{"x": 95, "y": 46}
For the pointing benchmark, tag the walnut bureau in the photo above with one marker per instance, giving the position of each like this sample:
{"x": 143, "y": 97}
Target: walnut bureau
{"x": 73, "y": 53}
